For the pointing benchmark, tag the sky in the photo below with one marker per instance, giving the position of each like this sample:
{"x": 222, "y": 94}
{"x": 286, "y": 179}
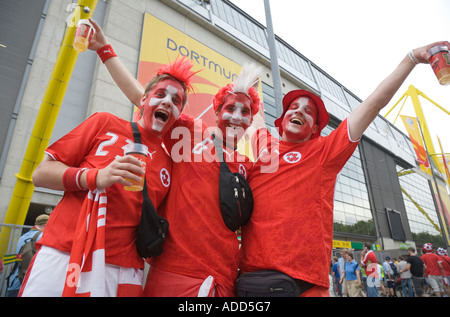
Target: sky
{"x": 359, "y": 43}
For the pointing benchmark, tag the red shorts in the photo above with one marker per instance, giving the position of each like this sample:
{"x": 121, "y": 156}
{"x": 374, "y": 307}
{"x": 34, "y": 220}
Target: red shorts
{"x": 165, "y": 284}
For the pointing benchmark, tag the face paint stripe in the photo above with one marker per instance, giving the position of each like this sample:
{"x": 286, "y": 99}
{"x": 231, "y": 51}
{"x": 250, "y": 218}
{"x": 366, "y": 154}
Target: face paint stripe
{"x": 167, "y": 103}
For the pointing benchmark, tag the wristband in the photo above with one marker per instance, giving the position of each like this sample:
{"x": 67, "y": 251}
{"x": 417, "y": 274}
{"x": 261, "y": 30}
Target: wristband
{"x": 71, "y": 179}
{"x": 91, "y": 179}
{"x": 106, "y": 52}
{"x": 412, "y": 57}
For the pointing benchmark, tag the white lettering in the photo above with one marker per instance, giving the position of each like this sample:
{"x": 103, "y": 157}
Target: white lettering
{"x": 187, "y": 307}
{"x": 100, "y": 151}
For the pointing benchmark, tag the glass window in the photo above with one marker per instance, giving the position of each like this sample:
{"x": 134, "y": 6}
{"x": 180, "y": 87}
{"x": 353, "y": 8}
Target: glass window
{"x": 420, "y": 208}
{"x": 352, "y": 212}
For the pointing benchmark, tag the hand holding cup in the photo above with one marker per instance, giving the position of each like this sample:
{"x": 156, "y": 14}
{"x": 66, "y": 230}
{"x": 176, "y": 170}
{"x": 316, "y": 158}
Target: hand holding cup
{"x": 138, "y": 151}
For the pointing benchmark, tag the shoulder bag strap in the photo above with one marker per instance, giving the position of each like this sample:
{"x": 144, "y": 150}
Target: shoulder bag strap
{"x": 136, "y": 133}
{"x": 137, "y": 139}
{"x": 220, "y": 154}
{"x": 219, "y": 148}
{"x": 34, "y": 239}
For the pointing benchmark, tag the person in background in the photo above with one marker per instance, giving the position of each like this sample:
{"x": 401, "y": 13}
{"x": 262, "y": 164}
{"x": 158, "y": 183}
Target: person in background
{"x": 405, "y": 275}
{"x": 417, "y": 268}
{"x": 352, "y": 272}
{"x": 434, "y": 269}
{"x": 389, "y": 277}
{"x": 14, "y": 282}
{"x": 369, "y": 262}
{"x": 381, "y": 279}
{"x": 341, "y": 262}
{"x": 446, "y": 265}
{"x": 393, "y": 263}
{"x": 336, "y": 273}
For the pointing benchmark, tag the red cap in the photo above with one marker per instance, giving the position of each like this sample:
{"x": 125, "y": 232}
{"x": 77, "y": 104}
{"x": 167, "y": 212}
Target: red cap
{"x": 427, "y": 247}
{"x": 322, "y": 118}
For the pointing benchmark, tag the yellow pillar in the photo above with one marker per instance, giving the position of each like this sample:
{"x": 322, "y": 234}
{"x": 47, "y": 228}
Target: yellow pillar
{"x": 45, "y": 122}
{"x": 414, "y": 94}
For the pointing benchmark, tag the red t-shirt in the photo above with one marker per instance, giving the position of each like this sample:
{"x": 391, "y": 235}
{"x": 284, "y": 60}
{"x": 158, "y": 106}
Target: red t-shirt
{"x": 198, "y": 243}
{"x": 291, "y": 228}
{"x": 95, "y": 143}
{"x": 370, "y": 264}
{"x": 446, "y": 264}
{"x": 431, "y": 261}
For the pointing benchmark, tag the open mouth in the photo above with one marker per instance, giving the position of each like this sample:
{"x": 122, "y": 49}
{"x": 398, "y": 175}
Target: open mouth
{"x": 296, "y": 121}
{"x": 233, "y": 126}
{"x": 161, "y": 115}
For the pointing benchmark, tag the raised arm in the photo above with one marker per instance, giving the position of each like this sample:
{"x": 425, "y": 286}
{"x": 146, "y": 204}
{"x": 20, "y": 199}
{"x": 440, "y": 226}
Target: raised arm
{"x": 121, "y": 76}
{"x": 367, "y": 111}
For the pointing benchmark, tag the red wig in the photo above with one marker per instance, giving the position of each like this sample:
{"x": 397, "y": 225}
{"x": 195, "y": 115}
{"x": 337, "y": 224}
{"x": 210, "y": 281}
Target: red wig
{"x": 181, "y": 70}
{"x": 245, "y": 83}
{"x": 224, "y": 91}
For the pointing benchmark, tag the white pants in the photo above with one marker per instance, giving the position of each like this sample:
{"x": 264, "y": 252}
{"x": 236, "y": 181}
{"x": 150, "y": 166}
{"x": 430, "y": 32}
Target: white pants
{"x": 48, "y": 274}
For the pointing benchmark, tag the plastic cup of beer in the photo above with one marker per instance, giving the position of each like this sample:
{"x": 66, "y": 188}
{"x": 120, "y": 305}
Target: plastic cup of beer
{"x": 139, "y": 151}
{"x": 440, "y": 62}
{"x": 83, "y": 35}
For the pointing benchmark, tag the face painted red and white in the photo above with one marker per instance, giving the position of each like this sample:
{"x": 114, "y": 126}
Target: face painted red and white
{"x": 234, "y": 117}
{"x": 300, "y": 120}
{"x": 162, "y": 106}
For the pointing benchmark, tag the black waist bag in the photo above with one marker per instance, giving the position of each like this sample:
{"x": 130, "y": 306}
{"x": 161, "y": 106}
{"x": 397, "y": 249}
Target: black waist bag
{"x": 235, "y": 195}
{"x": 152, "y": 228}
{"x": 266, "y": 284}
{"x": 236, "y": 198}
